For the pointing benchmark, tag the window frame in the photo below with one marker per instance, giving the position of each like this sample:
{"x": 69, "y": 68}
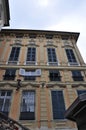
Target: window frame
{"x": 77, "y": 76}
{"x": 81, "y": 92}
{"x": 15, "y": 59}
{"x": 5, "y": 97}
{"x": 27, "y": 112}
{"x": 31, "y": 55}
{"x": 10, "y": 75}
{"x": 72, "y": 60}
{"x": 52, "y": 57}
{"x": 54, "y": 74}
{"x": 54, "y": 115}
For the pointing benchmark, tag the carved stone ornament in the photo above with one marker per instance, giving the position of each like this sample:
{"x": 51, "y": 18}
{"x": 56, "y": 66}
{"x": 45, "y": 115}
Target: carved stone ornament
{"x": 55, "y": 84}
{"x": 77, "y": 85}
{"x": 16, "y": 85}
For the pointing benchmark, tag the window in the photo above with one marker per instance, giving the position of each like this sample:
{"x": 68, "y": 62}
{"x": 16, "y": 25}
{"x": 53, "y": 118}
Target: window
{"x": 32, "y": 36}
{"x": 9, "y": 74}
{"x": 71, "y": 57}
{"x": 28, "y": 105}
{"x": 58, "y": 105}
{"x": 5, "y": 98}
{"x": 81, "y": 92}
{"x": 49, "y": 36}
{"x": 19, "y": 35}
{"x": 76, "y": 75}
{"x": 31, "y": 56}
{"x": 30, "y": 77}
{"x": 14, "y": 55}
{"x": 54, "y": 75}
{"x": 52, "y": 60}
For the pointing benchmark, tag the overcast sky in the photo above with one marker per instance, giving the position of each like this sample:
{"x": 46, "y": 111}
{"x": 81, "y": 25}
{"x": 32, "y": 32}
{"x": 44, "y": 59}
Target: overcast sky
{"x": 59, "y": 15}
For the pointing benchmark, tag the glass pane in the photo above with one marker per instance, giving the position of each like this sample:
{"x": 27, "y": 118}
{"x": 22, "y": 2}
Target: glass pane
{"x": 3, "y": 93}
{"x": 58, "y": 105}
{"x": 1, "y": 103}
{"x": 14, "y": 54}
{"x": 28, "y": 101}
{"x": 70, "y": 55}
{"x": 81, "y": 92}
{"x": 6, "y": 105}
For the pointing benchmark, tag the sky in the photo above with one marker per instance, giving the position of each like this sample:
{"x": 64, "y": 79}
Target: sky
{"x": 54, "y": 15}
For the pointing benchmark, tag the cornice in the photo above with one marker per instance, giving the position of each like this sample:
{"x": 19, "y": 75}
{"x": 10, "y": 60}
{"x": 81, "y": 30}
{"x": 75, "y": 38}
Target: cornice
{"x": 42, "y": 84}
{"x": 46, "y": 67}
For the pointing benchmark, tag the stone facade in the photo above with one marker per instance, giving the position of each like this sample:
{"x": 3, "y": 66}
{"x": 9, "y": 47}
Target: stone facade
{"x": 42, "y": 85}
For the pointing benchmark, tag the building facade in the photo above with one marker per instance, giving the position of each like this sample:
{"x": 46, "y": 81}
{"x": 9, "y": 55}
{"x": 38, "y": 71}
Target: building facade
{"x": 41, "y": 74}
{"x": 4, "y": 13}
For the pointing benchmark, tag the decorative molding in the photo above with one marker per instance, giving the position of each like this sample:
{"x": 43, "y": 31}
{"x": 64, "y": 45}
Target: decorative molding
{"x": 3, "y": 84}
{"x": 50, "y": 45}
{"x": 79, "y": 84}
{"x": 15, "y": 84}
{"x": 31, "y": 84}
{"x": 30, "y": 44}
{"x": 70, "y": 46}
{"x": 16, "y": 44}
{"x": 43, "y": 83}
{"x": 56, "y": 84}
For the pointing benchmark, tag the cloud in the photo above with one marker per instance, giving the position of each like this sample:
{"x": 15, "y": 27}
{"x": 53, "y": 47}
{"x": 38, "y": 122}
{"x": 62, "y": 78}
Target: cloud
{"x": 59, "y": 15}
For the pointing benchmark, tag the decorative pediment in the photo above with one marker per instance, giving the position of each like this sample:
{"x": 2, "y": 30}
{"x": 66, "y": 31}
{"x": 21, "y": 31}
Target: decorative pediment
{"x": 50, "y": 45}
{"x": 32, "y": 45}
{"x": 16, "y": 44}
{"x": 67, "y": 46}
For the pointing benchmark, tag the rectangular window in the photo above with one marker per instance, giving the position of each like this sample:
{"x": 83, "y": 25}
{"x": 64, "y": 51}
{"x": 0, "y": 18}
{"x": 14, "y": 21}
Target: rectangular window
{"x": 19, "y": 35}
{"x": 28, "y": 105}
{"x": 81, "y": 92}
{"x": 9, "y": 74}
{"x": 71, "y": 57}
{"x": 32, "y": 35}
{"x": 58, "y": 104}
{"x": 49, "y": 36}
{"x": 14, "y": 55}
{"x": 5, "y": 98}
{"x": 52, "y": 59}
{"x": 31, "y": 56}
{"x": 30, "y": 77}
{"x": 76, "y": 75}
{"x": 54, "y": 75}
